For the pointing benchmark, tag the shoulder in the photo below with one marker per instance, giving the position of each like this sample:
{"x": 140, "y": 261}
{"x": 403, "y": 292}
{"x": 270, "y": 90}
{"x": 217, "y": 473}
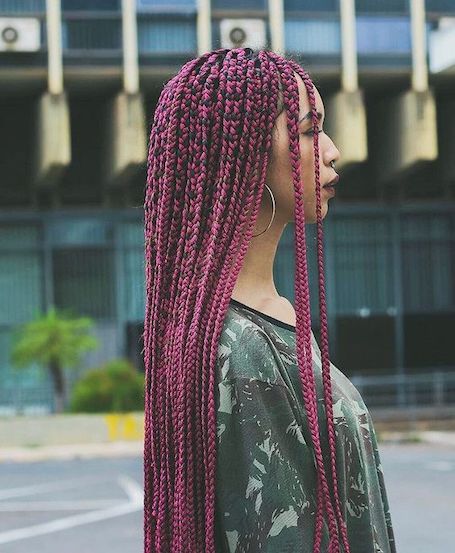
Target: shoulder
{"x": 280, "y": 308}
{"x": 246, "y": 351}
{"x": 287, "y": 305}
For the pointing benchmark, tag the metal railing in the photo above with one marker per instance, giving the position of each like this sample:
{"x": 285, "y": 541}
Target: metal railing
{"x": 432, "y": 389}
{"x": 429, "y": 392}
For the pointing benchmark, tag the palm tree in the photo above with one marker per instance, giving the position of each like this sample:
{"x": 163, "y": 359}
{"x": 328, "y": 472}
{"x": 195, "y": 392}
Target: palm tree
{"x": 53, "y": 340}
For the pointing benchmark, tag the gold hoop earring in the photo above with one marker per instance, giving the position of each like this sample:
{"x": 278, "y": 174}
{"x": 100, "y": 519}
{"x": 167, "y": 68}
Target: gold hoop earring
{"x": 273, "y": 213}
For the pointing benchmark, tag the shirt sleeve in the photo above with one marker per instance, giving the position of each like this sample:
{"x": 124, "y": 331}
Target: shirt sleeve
{"x": 266, "y": 475}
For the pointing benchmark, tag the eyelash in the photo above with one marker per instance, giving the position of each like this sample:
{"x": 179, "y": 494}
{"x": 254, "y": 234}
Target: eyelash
{"x": 311, "y": 133}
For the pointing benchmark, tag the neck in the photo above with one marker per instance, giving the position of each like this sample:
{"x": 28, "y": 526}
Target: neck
{"x": 255, "y": 283}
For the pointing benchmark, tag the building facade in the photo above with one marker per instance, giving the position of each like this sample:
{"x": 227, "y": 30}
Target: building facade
{"x": 77, "y": 93}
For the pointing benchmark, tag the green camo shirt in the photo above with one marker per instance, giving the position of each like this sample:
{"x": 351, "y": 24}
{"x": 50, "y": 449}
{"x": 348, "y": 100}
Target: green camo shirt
{"x": 266, "y": 471}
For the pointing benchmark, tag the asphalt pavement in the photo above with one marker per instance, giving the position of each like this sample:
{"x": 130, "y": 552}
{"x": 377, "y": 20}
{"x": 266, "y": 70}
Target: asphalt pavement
{"x": 90, "y": 499}
{"x": 54, "y": 506}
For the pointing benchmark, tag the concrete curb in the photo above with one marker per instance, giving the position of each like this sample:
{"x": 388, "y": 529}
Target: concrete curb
{"x": 439, "y": 437}
{"x": 446, "y": 438}
{"x": 71, "y": 451}
{"x": 135, "y": 448}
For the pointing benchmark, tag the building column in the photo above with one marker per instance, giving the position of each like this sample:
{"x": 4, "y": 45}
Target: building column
{"x": 407, "y": 123}
{"x": 126, "y": 131}
{"x": 53, "y": 138}
{"x": 346, "y": 116}
{"x": 204, "y": 27}
{"x": 276, "y": 24}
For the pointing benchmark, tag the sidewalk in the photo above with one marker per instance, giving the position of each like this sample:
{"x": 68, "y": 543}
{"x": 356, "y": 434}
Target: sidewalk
{"x": 135, "y": 448}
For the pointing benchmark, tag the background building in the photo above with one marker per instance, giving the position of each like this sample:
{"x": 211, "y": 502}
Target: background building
{"x": 78, "y": 86}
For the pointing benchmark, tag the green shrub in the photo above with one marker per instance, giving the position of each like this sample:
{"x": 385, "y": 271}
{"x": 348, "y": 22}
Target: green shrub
{"x": 53, "y": 340}
{"x": 114, "y": 387}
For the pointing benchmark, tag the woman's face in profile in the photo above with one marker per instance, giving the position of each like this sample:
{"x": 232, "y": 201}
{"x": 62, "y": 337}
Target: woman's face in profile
{"x": 279, "y": 172}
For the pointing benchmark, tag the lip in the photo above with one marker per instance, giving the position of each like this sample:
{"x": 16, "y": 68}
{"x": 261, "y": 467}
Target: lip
{"x": 330, "y": 191}
{"x": 334, "y": 180}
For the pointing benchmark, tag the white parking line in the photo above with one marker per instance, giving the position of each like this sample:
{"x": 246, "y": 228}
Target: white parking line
{"x": 83, "y": 505}
{"x": 133, "y": 490}
{"x": 443, "y": 466}
{"x": 47, "y": 487}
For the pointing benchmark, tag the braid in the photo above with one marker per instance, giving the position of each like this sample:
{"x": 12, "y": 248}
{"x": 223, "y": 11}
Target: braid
{"x": 291, "y": 103}
{"x": 323, "y": 310}
{"x": 235, "y": 193}
{"x": 155, "y": 220}
{"x": 209, "y": 148}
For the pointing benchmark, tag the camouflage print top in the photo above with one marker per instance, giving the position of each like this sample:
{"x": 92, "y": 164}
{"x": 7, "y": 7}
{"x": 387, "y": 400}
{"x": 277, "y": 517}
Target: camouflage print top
{"x": 266, "y": 472}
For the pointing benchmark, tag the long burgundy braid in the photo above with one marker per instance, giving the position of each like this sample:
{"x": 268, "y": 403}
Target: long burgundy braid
{"x": 209, "y": 147}
{"x": 328, "y": 401}
{"x": 306, "y": 372}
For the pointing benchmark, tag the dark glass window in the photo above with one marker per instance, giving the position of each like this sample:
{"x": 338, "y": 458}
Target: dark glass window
{"x": 84, "y": 281}
{"x": 310, "y": 5}
{"x": 239, "y": 4}
{"x": 381, "y": 6}
{"x": 90, "y": 5}
{"x": 428, "y": 340}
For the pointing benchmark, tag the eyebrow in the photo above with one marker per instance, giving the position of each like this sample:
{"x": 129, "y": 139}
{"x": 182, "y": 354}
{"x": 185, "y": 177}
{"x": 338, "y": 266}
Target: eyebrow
{"x": 308, "y": 116}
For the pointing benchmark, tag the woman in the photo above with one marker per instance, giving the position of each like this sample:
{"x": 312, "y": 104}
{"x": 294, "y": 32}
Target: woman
{"x": 241, "y": 450}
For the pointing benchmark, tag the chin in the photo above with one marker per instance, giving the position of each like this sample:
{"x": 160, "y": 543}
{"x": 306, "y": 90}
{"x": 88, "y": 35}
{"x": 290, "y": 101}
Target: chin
{"x": 314, "y": 219}
{"x": 311, "y": 218}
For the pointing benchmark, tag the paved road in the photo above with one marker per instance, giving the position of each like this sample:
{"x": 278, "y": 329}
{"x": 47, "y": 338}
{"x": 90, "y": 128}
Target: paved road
{"x": 95, "y": 505}
{"x": 92, "y": 506}
{"x": 420, "y": 480}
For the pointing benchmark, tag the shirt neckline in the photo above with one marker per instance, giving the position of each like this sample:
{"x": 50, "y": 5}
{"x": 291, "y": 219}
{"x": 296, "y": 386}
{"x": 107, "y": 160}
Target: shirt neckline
{"x": 269, "y": 318}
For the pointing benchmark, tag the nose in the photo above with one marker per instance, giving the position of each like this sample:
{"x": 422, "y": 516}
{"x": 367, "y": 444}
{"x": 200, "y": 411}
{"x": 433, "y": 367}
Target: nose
{"x": 331, "y": 152}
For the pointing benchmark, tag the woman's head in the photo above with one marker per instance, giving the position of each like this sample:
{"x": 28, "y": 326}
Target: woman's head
{"x": 219, "y": 133}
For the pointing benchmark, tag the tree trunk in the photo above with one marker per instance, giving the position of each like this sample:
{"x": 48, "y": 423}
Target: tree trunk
{"x": 59, "y": 385}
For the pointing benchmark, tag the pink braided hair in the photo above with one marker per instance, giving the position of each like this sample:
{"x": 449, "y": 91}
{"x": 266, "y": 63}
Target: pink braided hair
{"x": 210, "y": 142}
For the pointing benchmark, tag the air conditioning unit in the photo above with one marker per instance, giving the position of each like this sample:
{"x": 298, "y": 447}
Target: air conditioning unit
{"x": 446, "y": 23}
{"x": 242, "y": 33}
{"x": 441, "y": 46}
{"x": 19, "y": 34}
